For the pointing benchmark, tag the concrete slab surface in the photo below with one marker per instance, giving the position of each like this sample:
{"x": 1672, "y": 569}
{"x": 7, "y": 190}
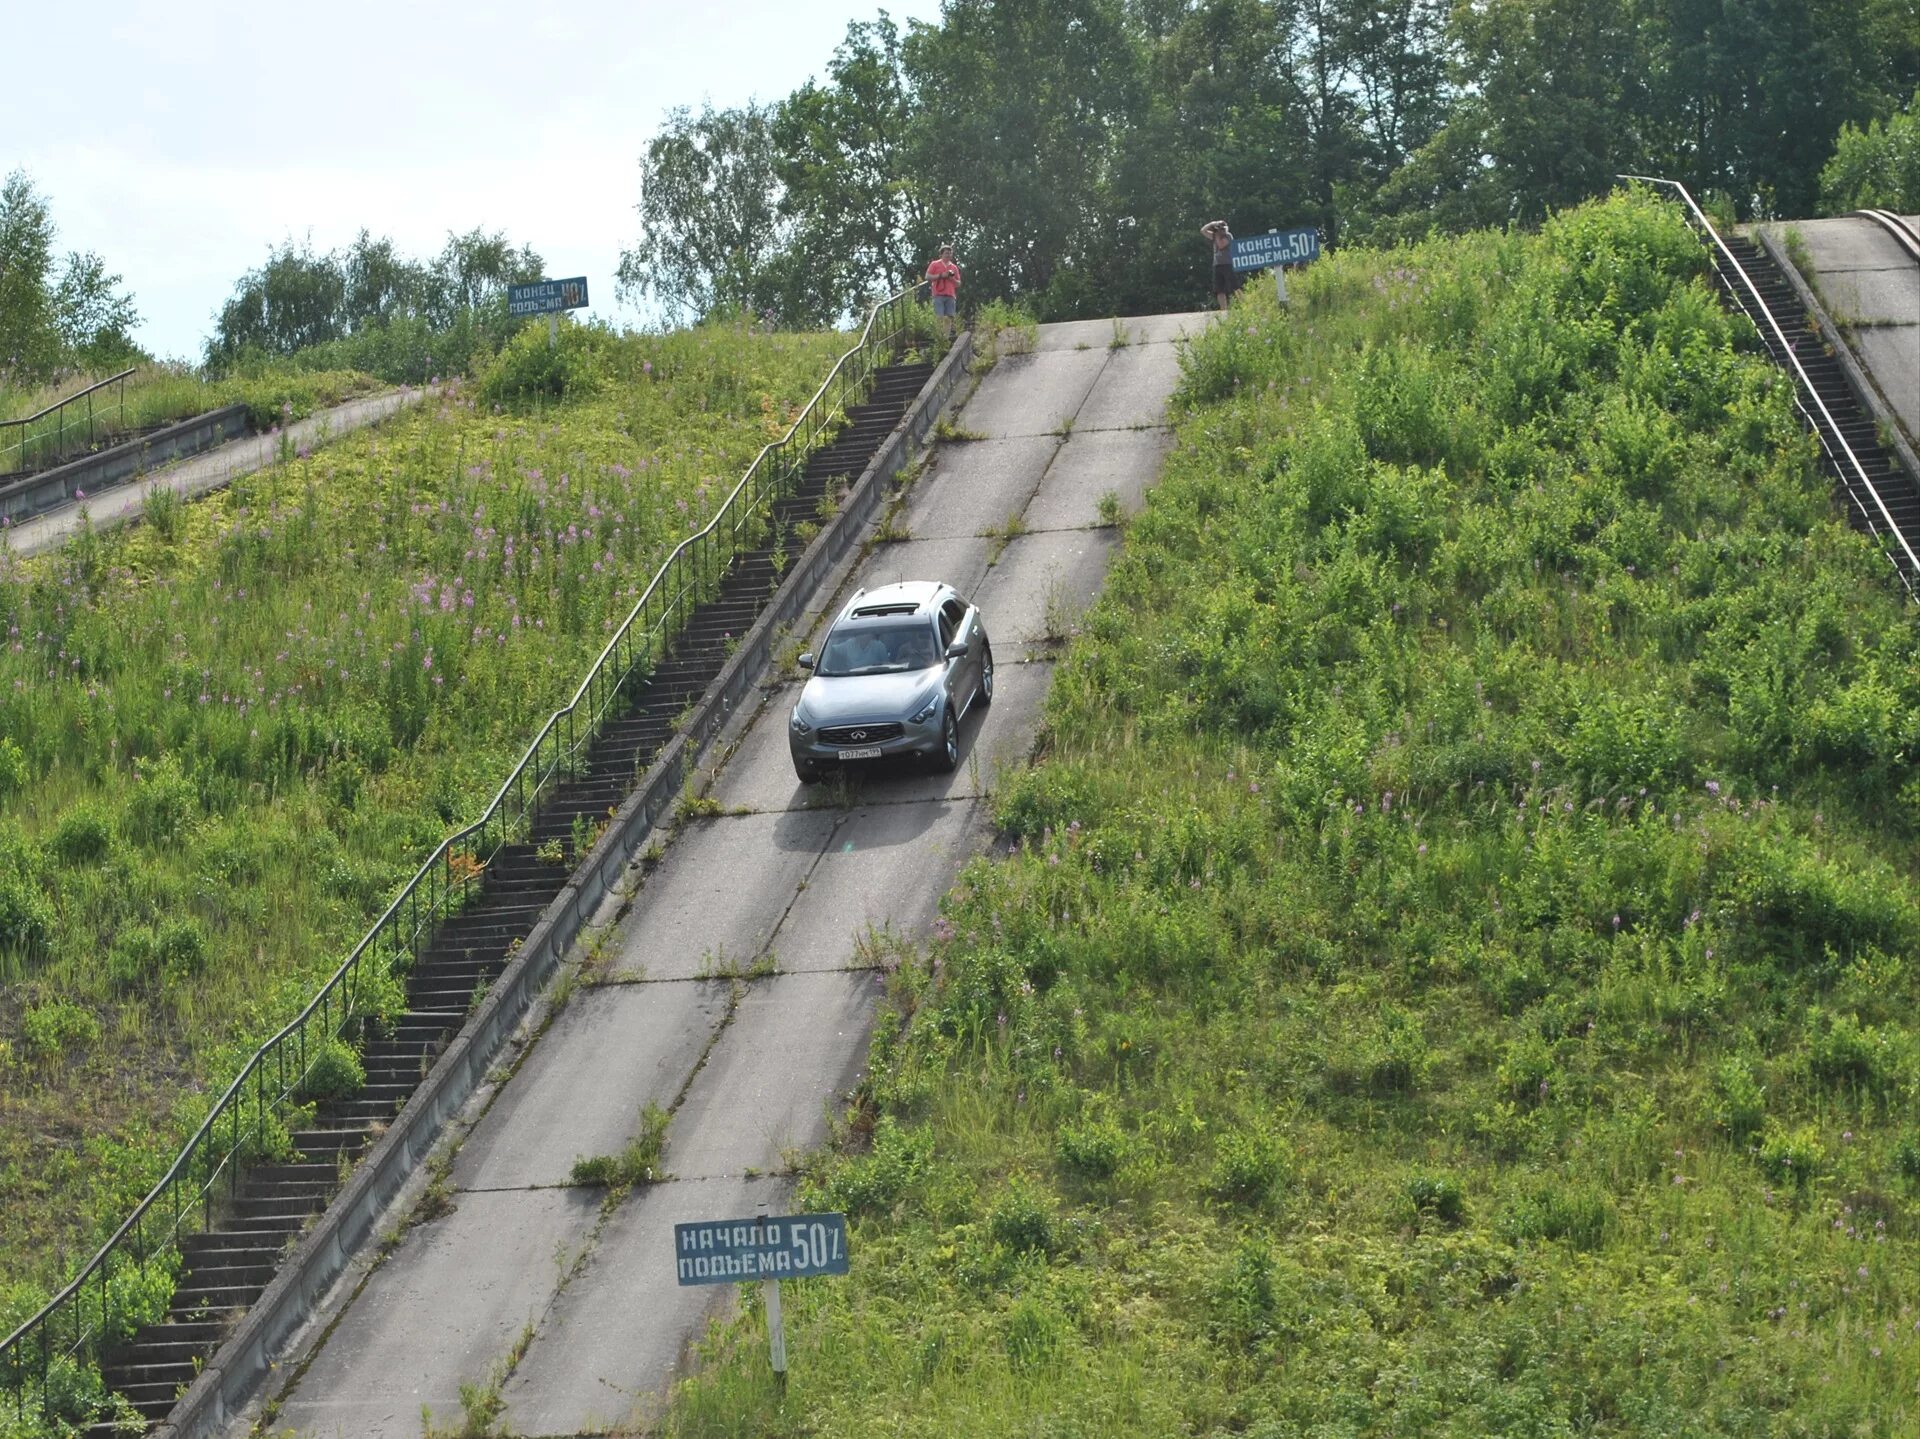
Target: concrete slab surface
{"x": 758, "y": 775}
{"x": 1132, "y": 390}
{"x": 446, "y": 1306}
{"x": 961, "y": 562}
{"x": 1123, "y": 463}
{"x": 1164, "y": 329}
{"x": 1032, "y": 394}
{"x": 975, "y": 478}
{"x": 613, "y": 1050}
{"x": 617, "y": 1338}
{"x": 1078, "y": 335}
{"x": 715, "y": 898}
{"x": 796, "y": 1047}
{"x": 1044, "y": 583}
{"x": 882, "y": 879}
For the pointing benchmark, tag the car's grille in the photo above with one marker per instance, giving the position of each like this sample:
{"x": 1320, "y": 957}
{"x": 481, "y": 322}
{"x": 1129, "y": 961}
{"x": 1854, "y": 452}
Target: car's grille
{"x": 859, "y": 733}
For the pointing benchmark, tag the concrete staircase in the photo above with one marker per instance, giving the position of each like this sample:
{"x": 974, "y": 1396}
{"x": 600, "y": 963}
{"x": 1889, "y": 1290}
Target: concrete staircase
{"x": 1884, "y": 472}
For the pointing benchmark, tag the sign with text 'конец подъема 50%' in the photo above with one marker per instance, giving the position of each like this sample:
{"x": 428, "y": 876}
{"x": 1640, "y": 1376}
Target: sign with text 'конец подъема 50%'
{"x": 1276, "y": 247}
{"x": 547, "y": 297}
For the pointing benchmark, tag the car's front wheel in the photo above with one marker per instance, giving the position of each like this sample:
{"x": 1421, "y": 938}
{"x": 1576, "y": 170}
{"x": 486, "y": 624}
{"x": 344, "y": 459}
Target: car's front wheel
{"x": 946, "y": 759}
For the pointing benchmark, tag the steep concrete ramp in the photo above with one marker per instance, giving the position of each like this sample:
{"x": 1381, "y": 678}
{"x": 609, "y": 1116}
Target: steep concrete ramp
{"x": 739, "y": 989}
{"x": 1870, "y": 288}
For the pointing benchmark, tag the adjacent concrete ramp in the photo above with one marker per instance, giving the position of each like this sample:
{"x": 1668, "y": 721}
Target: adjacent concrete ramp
{"x": 202, "y": 474}
{"x": 739, "y": 988}
{"x": 1870, "y": 288}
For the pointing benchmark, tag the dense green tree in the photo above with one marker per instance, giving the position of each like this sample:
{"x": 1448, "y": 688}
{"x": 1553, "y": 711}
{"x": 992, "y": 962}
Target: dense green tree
{"x": 406, "y": 319}
{"x": 844, "y": 164}
{"x": 1876, "y": 166}
{"x": 29, "y": 340}
{"x": 78, "y": 319}
{"x": 711, "y": 232}
{"x": 1020, "y": 111}
{"x": 1071, "y": 148}
{"x": 94, "y": 317}
{"x": 1222, "y": 135}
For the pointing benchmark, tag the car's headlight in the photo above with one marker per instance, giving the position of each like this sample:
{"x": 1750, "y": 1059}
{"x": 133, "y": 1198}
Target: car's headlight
{"x": 925, "y": 712}
{"x": 799, "y": 723}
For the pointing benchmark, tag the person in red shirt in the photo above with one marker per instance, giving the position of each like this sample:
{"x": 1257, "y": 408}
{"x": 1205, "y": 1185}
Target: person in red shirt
{"x": 944, "y": 276}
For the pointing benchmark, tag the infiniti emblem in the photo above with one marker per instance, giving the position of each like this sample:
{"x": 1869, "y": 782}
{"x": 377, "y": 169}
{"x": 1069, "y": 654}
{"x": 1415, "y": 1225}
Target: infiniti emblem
{"x": 857, "y": 734}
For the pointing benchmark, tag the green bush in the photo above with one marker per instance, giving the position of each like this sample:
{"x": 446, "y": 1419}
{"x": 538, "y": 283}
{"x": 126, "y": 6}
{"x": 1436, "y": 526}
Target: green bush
{"x": 1794, "y": 1157}
{"x": 26, "y": 917}
{"x": 1740, "y": 1106}
{"x": 84, "y": 835}
{"x": 13, "y": 766}
{"x": 873, "y": 1183}
{"x": 1248, "y": 1166}
{"x": 334, "y": 1071}
{"x": 161, "y": 804}
{"x": 1092, "y": 1149}
{"x": 1437, "y": 1197}
{"x": 531, "y": 369}
{"x": 134, "y": 961}
{"x": 57, "y": 1027}
{"x": 181, "y": 948}
{"x": 1022, "y": 1218}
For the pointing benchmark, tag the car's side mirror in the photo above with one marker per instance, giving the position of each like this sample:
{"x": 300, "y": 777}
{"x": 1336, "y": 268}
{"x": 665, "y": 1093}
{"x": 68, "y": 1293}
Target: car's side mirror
{"x": 957, "y": 649}
{"x": 806, "y": 660}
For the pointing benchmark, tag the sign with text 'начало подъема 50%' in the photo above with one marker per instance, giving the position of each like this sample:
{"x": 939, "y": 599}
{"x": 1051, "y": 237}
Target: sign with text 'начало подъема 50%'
{"x": 736, "y": 1251}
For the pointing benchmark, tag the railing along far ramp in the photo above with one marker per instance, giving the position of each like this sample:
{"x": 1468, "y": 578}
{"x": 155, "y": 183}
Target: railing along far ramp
{"x": 1868, "y": 501}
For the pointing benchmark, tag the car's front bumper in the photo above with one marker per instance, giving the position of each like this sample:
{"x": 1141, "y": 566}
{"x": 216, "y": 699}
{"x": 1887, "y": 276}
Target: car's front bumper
{"x": 847, "y": 744}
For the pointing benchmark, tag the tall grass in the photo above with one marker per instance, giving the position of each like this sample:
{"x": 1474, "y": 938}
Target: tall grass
{"x": 227, "y": 734}
{"x": 1455, "y": 971}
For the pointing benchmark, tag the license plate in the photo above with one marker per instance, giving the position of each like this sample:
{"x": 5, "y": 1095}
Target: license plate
{"x": 859, "y": 754}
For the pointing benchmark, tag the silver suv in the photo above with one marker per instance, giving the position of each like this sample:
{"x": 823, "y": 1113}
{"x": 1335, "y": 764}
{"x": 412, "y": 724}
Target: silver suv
{"x": 899, "y": 669}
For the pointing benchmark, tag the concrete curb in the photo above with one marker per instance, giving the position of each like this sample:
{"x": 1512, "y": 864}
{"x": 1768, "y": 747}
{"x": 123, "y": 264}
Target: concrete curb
{"x": 272, "y": 1327}
{"x": 1858, "y": 380}
{"x": 22, "y": 499}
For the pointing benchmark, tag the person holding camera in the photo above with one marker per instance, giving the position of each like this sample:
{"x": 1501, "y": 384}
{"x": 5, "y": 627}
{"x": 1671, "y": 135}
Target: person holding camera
{"x": 944, "y": 276}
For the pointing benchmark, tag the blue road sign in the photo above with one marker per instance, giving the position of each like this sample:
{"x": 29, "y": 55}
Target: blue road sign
{"x": 547, "y": 297}
{"x": 1276, "y": 247}
{"x": 733, "y": 1251}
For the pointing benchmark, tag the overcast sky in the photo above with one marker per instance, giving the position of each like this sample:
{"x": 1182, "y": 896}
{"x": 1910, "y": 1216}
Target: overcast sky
{"x": 182, "y": 140}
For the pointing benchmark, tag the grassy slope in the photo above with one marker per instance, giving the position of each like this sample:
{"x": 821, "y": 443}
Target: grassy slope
{"x": 1457, "y": 977}
{"x": 230, "y": 733}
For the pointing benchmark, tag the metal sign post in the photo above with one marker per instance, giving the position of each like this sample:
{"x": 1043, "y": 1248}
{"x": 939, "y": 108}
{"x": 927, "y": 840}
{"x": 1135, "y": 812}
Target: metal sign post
{"x": 791, "y": 1246}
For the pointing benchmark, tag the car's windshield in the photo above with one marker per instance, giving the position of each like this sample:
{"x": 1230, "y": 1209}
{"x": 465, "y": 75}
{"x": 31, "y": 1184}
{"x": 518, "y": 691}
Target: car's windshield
{"x": 877, "y": 649}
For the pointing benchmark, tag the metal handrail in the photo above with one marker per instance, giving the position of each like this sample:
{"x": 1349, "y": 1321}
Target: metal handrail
{"x": 249, "y": 1110}
{"x": 58, "y": 407}
{"x": 1825, "y": 428}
